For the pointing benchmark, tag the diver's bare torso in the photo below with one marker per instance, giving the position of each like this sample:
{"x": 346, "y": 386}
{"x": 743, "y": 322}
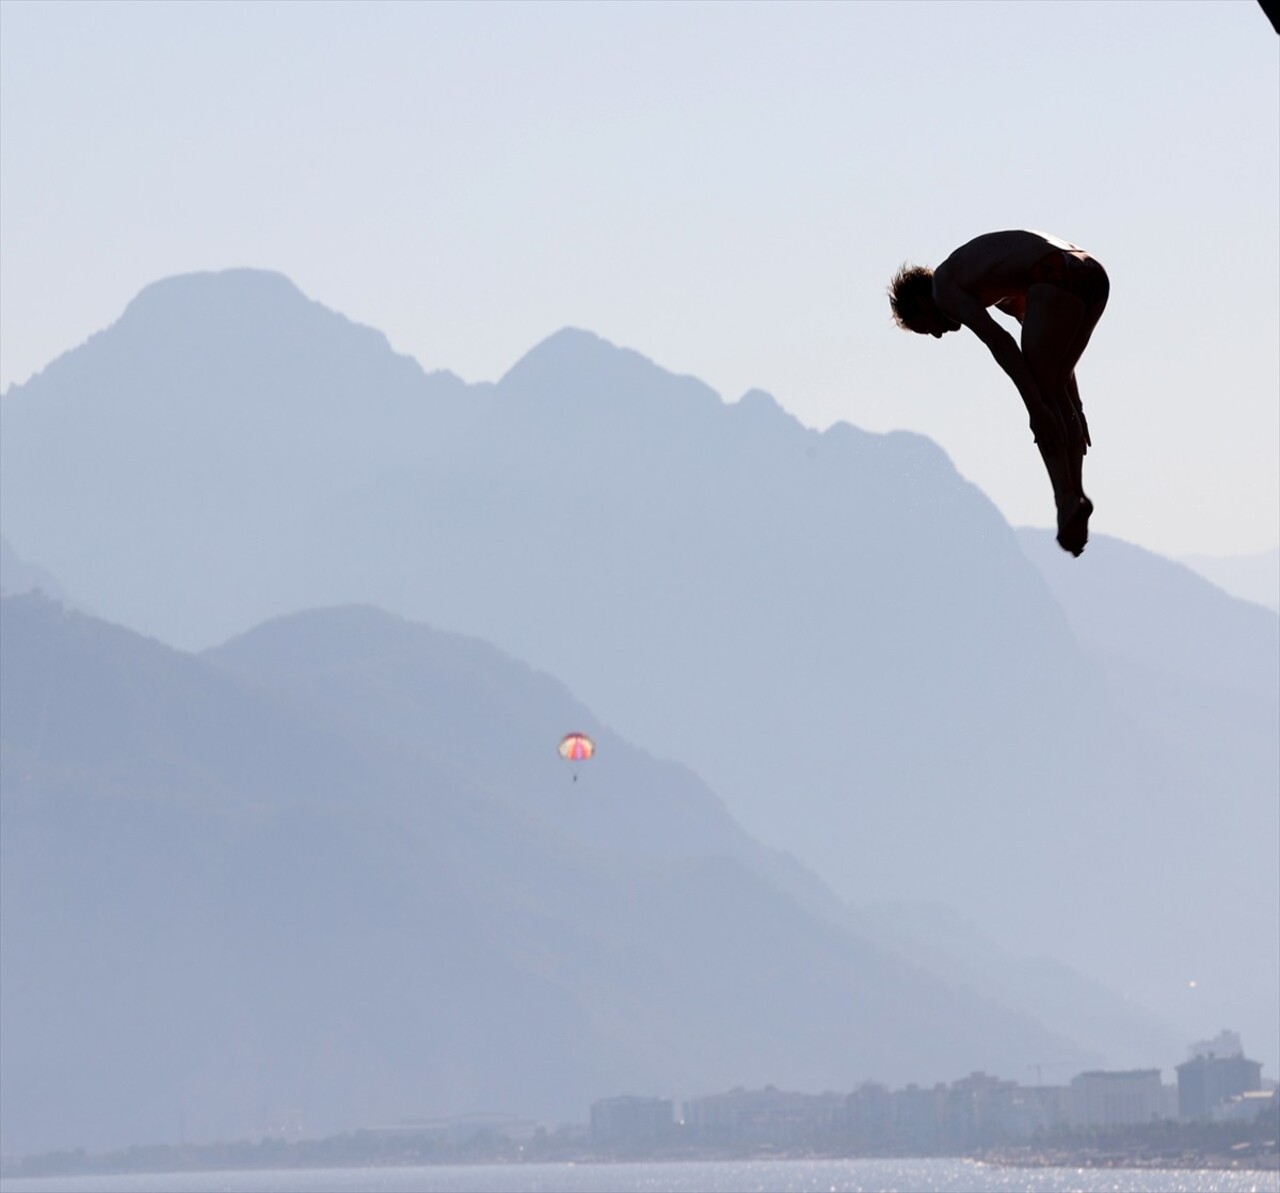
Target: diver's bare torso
{"x": 995, "y": 267}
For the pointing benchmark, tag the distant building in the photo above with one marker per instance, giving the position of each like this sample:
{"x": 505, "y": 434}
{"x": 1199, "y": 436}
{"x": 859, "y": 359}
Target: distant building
{"x": 1248, "y": 1107}
{"x": 768, "y": 1116}
{"x": 1116, "y": 1099}
{"x": 868, "y": 1116}
{"x": 1036, "y": 1108}
{"x": 978, "y": 1108}
{"x": 916, "y": 1116}
{"x": 628, "y": 1122}
{"x": 975, "y": 1110}
{"x": 1225, "y": 1043}
{"x": 1217, "y": 1072}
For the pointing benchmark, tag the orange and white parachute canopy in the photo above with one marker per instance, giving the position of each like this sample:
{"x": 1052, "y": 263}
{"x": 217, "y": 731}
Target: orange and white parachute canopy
{"x": 576, "y": 747}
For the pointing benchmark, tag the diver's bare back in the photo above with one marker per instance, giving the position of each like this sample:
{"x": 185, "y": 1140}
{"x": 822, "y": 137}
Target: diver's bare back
{"x": 997, "y": 265}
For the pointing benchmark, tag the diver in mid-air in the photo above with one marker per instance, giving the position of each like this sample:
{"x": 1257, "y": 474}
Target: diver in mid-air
{"x": 1058, "y": 293}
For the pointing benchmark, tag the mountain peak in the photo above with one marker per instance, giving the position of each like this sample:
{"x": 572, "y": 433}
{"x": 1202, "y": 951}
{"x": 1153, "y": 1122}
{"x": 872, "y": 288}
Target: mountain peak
{"x": 572, "y": 348}
{"x": 255, "y": 292}
{"x": 241, "y": 281}
{"x": 225, "y": 316}
{"x": 569, "y": 343}
{"x": 758, "y": 399}
{"x": 764, "y": 410}
{"x": 238, "y": 302}
{"x": 593, "y": 363}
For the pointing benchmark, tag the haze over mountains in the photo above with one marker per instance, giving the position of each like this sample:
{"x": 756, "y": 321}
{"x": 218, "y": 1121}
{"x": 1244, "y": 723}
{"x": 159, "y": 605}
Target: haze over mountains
{"x": 17, "y": 575}
{"x": 1252, "y": 577}
{"x": 337, "y": 866}
{"x": 836, "y": 632}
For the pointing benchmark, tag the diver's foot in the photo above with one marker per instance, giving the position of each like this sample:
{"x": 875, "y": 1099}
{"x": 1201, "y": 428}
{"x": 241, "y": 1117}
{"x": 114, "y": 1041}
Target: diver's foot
{"x": 1073, "y": 527}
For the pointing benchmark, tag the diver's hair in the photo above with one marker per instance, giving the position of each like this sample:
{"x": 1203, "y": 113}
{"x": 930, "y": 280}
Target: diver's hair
{"x": 911, "y": 288}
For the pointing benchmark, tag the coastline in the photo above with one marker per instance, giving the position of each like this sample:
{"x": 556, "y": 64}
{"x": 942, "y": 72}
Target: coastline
{"x": 1008, "y": 1157}
{"x": 1032, "y": 1157}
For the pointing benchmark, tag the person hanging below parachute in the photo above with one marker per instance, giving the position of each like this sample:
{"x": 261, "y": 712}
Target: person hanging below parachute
{"x": 576, "y": 747}
{"x": 1057, "y": 292}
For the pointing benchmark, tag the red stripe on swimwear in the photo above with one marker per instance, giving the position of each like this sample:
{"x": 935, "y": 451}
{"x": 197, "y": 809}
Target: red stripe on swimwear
{"x": 1076, "y": 273}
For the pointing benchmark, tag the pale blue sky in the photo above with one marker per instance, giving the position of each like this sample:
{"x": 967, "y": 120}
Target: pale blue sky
{"x": 724, "y": 187}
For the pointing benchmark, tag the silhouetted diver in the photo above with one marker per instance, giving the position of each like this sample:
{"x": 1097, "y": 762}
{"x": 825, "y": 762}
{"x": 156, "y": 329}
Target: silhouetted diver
{"x": 1058, "y": 293}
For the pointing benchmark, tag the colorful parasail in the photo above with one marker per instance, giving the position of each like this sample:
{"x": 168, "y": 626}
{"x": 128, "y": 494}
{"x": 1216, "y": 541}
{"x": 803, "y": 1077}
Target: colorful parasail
{"x": 576, "y": 747}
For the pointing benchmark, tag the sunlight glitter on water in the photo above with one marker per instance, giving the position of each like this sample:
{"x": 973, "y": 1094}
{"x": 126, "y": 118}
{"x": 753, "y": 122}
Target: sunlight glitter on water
{"x": 708, "y": 1176}
{"x": 760, "y": 1176}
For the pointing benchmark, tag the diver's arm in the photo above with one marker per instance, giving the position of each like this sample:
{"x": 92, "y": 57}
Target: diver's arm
{"x": 1004, "y": 348}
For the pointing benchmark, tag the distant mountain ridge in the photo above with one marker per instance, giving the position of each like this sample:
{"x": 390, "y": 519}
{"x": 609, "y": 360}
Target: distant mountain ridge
{"x": 337, "y": 865}
{"x": 18, "y": 575}
{"x": 1250, "y": 577}
{"x": 1237, "y": 644}
{"x": 836, "y": 631}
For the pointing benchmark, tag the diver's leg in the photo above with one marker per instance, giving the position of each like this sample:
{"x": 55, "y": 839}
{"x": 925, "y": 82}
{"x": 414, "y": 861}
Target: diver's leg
{"x": 1073, "y": 392}
{"x": 1093, "y": 312}
{"x": 1077, "y": 434}
{"x": 1057, "y": 464}
{"x": 1078, "y": 426}
{"x": 1050, "y": 327}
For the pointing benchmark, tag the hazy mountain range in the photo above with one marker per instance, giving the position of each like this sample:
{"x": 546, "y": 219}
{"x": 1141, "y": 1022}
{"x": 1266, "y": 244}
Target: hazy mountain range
{"x": 835, "y": 631}
{"x": 337, "y": 866}
{"x": 1251, "y": 577}
{"x": 19, "y": 575}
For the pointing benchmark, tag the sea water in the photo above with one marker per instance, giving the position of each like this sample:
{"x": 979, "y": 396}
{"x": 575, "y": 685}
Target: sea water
{"x": 753, "y": 1176}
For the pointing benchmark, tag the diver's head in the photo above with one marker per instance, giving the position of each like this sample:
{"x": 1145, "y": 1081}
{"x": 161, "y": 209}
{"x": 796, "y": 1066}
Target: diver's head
{"x": 911, "y": 300}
